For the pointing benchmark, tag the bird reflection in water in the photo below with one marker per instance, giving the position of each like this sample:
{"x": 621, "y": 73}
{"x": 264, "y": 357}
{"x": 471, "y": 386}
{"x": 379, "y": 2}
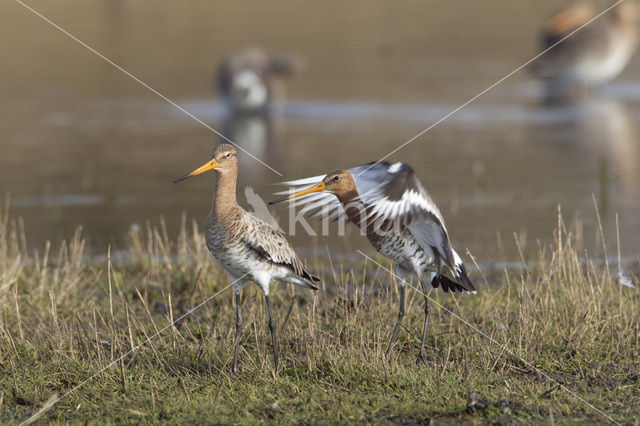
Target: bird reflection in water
{"x": 602, "y": 136}
{"x": 258, "y": 134}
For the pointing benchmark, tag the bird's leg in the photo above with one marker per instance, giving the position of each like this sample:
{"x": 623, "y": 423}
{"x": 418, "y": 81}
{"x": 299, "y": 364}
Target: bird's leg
{"x": 394, "y": 335}
{"x": 272, "y": 327}
{"x": 238, "y": 333}
{"x": 426, "y": 322}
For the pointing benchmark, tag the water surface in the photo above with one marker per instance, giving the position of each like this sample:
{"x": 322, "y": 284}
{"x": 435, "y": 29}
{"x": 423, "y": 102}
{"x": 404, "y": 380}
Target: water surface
{"x": 84, "y": 145}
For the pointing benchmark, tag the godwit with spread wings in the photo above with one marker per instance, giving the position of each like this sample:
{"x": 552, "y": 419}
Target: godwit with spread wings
{"x": 400, "y": 219}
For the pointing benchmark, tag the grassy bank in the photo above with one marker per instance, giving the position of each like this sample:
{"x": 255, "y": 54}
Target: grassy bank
{"x": 67, "y": 320}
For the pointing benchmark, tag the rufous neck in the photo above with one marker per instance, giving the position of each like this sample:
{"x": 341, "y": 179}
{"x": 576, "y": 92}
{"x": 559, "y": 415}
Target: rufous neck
{"x": 224, "y": 196}
{"x": 352, "y": 205}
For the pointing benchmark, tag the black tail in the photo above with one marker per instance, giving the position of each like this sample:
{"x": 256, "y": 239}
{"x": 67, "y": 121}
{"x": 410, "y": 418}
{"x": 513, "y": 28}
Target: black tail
{"x": 311, "y": 279}
{"x": 462, "y": 282}
{"x": 461, "y": 275}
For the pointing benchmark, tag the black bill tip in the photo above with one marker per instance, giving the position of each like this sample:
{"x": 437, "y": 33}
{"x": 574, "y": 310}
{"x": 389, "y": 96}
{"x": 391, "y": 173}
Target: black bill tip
{"x": 181, "y": 178}
{"x": 278, "y": 200}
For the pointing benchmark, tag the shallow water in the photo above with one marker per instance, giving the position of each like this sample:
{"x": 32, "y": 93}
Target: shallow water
{"x": 84, "y": 145}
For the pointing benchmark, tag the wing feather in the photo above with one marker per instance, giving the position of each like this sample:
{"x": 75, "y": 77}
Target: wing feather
{"x": 392, "y": 194}
{"x": 392, "y": 191}
{"x": 272, "y": 245}
{"x": 323, "y": 202}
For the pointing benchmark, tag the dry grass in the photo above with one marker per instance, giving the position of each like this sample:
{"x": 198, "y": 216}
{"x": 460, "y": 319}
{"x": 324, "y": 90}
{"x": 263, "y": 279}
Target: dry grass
{"x": 68, "y": 319}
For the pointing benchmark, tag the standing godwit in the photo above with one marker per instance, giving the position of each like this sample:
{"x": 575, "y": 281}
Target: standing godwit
{"x": 593, "y": 55}
{"x": 401, "y": 221}
{"x": 251, "y": 81}
{"x": 247, "y": 247}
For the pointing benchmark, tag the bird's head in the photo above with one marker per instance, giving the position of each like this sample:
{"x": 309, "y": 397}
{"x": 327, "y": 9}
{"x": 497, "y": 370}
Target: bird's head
{"x": 339, "y": 183}
{"x": 224, "y": 160}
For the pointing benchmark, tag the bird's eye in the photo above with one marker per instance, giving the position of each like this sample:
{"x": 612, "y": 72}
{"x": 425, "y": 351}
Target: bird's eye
{"x": 228, "y": 155}
{"x": 336, "y": 178}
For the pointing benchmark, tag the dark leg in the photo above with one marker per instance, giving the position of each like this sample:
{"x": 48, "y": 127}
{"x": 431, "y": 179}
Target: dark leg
{"x": 238, "y": 333}
{"x": 272, "y": 327}
{"x": 394, "y": 335}
{"x": 426, "y": 321}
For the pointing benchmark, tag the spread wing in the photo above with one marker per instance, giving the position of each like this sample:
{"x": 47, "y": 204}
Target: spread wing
{"x": 387, "y": 190}
{"x": 320, "y": 202}
{"x": 393, "y": 192}
{"x": 272, "y": 245}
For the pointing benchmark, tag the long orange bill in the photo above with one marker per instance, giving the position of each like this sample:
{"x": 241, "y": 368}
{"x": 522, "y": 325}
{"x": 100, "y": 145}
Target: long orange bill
{"x": 212, "y": 164}
{"x": 316, "y": 188}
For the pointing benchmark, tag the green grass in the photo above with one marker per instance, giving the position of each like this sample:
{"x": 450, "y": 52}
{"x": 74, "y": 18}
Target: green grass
{"x": 67, "y": 320}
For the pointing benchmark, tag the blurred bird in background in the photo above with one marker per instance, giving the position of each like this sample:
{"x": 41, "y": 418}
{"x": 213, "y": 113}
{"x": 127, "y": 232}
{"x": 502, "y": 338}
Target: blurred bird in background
{"x": 251, "y": 81}
{"x": 401, "y": 222}
{"x": 594, "y": 55}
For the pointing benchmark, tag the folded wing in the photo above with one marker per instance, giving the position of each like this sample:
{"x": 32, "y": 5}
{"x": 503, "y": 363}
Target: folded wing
{"x": 272, "y": 245}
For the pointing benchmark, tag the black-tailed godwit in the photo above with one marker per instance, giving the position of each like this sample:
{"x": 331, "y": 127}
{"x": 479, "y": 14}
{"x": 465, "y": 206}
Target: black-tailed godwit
{"x": 400, "y": 219}
{"x": 593, "y": 55}
{"x": 247, "y": 247}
